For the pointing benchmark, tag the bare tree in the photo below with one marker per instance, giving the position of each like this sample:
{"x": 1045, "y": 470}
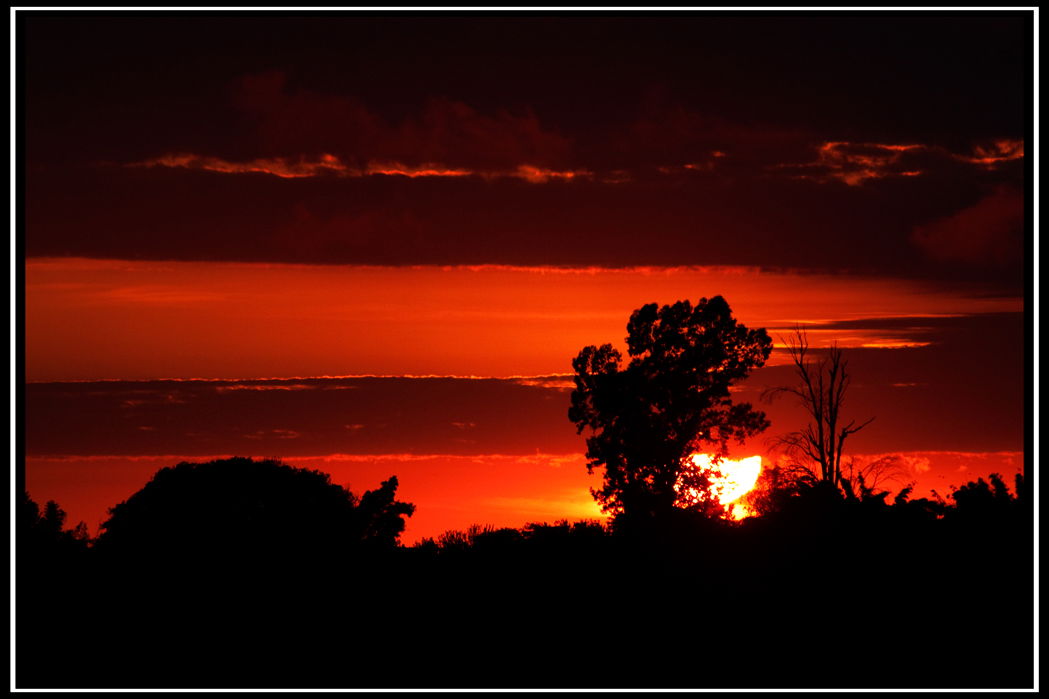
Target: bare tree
{"x": 863, "y": 479}
{"x": 820, "y": 390}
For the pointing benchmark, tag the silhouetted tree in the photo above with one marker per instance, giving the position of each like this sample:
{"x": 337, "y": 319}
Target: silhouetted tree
{"x": 41, "y": 536}
{"x": 239, "y": 507}
{"x": 380, "y": 516}
{"x": 820, "y": 390}
{"x": 987, "y": 501}
{"x": 649, "y": 415}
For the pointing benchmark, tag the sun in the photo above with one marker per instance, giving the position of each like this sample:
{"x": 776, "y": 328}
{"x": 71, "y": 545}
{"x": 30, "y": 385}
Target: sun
{"x": 730, "y": 480}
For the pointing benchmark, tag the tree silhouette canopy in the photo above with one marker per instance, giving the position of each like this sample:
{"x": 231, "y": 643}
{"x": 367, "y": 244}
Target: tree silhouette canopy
{"x": 670, "y": 400}
{"x": 239, "y": 507}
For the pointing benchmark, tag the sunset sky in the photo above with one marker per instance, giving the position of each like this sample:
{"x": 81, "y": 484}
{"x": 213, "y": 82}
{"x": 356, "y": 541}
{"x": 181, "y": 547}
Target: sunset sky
{"x": 372, "y": 245}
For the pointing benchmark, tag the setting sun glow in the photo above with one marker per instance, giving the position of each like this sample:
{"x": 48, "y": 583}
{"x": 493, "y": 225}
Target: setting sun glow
{"x": 730, "y": 480}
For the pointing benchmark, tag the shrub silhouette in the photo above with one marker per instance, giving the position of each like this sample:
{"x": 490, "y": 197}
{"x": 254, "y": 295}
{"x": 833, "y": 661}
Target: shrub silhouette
{"x": 42, "y": 539}
{"x": 982, "y": 499}
{"x": 239, "y": 508}
{"x": 819, "y": 576}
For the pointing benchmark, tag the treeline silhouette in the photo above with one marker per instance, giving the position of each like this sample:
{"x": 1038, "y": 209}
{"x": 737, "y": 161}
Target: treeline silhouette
{"x": 255, "y": 574}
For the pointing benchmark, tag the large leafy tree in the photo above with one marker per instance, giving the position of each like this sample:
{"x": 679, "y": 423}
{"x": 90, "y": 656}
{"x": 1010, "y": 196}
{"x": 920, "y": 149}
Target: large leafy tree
{"x": 669, "y": 400}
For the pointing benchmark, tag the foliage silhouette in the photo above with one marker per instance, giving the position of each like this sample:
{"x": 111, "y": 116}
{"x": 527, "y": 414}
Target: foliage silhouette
{"x": 672, "y": 398}
{"x": 236, "y": 509}
{"x": 980, "y": 505}
{"x": 803, "y": 596}
{"x": 41, "y": 536}
{"x": 690, "y": 603}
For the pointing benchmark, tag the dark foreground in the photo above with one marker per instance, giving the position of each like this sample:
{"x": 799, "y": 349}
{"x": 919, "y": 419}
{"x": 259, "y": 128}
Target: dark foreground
{"x": 836, "y": 598}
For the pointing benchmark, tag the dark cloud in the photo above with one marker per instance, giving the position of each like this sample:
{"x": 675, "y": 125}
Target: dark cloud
{"x": 921, "y": 330}
{"x": 857, "y": 163}
{"x": 294, "y": 131}
{"x": 301, "y": 416}
{"x": 149, "y": 79}
{"x": 693, "y": 138}
{"x": 990, "y": 232}
{"x": 958, "y": 393}
{"x": 290, "y": 122}
{"x": 696, "y": 218}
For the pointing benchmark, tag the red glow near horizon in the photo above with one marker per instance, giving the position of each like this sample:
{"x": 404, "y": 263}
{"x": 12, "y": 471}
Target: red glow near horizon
{"x": 451, "y": 492}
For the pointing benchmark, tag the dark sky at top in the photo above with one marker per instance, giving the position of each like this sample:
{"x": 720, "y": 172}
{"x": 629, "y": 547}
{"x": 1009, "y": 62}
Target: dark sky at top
{"x": 695, "y": 138}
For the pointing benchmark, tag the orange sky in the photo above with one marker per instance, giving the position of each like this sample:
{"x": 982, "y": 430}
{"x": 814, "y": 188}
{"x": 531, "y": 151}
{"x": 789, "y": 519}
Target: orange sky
{"x": 135, "y": 320}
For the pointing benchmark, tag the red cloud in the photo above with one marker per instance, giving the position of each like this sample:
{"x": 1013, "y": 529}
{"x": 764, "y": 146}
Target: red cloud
{"x": 330, "y": 165}
{"x": 852, "y": 163}
{"x": 856, "y": 163}
{"x": 989, "y": 231}
{"x": 288, "y": 168}
{"x": 992, "y": 154}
